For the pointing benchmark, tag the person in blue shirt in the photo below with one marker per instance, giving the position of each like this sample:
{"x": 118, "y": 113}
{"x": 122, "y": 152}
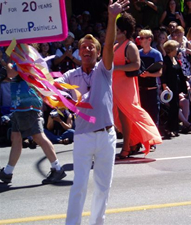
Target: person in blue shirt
{"x": 148, "y": 85}
{"x": 27, "y": 120}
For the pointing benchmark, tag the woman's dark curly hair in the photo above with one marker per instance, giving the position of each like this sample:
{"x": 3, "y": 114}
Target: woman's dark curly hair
{"x": 126, "y": 23}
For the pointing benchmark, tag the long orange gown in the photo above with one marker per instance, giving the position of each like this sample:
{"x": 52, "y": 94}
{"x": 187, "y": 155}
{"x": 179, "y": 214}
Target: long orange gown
{"x": 126, "y": 99}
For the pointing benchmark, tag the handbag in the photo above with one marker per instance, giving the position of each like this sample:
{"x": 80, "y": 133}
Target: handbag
{"x": 134, "y": 73}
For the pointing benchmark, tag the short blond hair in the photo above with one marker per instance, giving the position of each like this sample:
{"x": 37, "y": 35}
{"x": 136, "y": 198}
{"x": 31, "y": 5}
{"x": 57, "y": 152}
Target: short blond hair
{"x": 170, "y": 46}
{"x": 93, "y": 39}
{"x": 179, "y": 29}
{"x": 146, "y": 33}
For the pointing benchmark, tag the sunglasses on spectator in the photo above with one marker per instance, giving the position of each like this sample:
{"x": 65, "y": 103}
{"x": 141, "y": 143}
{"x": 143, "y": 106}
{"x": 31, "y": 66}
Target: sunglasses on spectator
{"x": 142, "y": 38}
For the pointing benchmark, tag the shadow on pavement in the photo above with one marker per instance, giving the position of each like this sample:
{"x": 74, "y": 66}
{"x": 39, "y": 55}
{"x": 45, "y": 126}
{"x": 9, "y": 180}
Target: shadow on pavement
{"x": 132, "y": 160}
{"x": 7, "y": 187}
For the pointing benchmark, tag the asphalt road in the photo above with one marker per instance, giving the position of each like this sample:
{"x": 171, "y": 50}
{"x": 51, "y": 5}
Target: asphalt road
{"x": 155, "y": 190}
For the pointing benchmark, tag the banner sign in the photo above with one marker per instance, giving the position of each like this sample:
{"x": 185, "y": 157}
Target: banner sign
{"x": 30, "y": 21}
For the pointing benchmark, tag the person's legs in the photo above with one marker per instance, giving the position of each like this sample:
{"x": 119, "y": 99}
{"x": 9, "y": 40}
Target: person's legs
{"x": 56, "y": 172}
{"x": 31, "y": 124}
{"x": 68, "y": 134}
{"x": 46, "y": 146}
{"x": 52, "y": 137}
{"x": 82, "y": 158}
{"x": 172, "y": 124}
{"x": 16, "y": 148}
{"x": 151, "y": 103}
{"x": 182, "y": 118}
{"x": 103, "y": 173}
{"x": 184, "y": 111}
{"x": 126, "y": 130}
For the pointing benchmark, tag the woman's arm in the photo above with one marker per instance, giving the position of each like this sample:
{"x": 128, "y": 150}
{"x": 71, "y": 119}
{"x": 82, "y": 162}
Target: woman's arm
{"x": 162, "y": 18}
{"x": 152, "y": 5}
{"x": 68, "y": 124}
{"x": 181, "y": 18}
{"x": 132, "y": 55}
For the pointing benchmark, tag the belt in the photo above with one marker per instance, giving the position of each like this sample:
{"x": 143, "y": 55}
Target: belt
{"x": 103, "y": 129}
{"x": 147, "y": 88}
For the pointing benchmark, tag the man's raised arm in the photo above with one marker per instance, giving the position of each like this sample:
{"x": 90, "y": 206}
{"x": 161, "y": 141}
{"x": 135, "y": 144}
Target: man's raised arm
{"x": 113, "y": 10}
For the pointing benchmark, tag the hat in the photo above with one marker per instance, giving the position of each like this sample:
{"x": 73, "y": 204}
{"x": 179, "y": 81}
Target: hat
{"x": 86, "y": 13}
{"x": 71, "y": 34}
{"x": 166, "y": 96}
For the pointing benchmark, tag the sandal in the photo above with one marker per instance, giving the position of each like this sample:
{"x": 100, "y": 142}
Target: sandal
{"x": 121, "y": 154}
{"x": 135, "y": 148}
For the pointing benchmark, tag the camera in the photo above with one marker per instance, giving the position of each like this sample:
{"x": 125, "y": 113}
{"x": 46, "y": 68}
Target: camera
{"x": 54, "y": 114}
{"x": 3, "y": 74}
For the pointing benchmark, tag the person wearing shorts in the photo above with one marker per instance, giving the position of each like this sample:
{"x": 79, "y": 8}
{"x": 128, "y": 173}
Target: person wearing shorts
{"x": 27, "y": 121}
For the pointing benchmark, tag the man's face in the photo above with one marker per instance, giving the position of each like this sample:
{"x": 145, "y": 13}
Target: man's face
{"x": 171, "y": 27}
{"x": 88, "y": 52}
{"x": 144, "y": 40}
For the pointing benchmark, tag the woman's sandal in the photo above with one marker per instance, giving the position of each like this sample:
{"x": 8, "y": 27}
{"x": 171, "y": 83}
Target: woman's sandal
{"x": 121, "y": 154}
{"x": 135, "y": 148}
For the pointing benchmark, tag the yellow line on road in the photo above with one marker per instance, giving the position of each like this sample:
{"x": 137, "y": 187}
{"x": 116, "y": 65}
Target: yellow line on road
{"x": 109, "y": 211}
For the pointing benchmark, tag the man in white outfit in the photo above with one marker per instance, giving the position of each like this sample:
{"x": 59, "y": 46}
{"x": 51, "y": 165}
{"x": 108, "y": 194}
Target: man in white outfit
{"x": 94, "y": 142}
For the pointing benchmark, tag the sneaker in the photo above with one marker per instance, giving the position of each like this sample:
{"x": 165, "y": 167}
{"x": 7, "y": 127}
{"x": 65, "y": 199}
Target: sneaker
{"x": 54, "y": 176}
{"x": 6, "y": 178}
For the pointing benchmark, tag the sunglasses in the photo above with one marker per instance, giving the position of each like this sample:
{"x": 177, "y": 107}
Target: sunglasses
{"x": 142, "y": 38}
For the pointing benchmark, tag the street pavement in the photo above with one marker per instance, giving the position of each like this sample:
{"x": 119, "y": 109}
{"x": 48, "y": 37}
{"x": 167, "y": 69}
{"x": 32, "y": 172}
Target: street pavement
{"x": 155, "y": 190}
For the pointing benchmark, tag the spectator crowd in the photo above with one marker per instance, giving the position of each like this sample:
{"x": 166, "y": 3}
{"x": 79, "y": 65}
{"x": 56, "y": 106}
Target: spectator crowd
{"x": 159, "y": 26}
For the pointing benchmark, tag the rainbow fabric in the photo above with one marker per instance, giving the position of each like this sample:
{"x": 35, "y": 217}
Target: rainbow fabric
{"x": 33, "y": 69}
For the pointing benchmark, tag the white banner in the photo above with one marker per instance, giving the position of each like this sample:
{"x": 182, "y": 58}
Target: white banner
{"x": 30, "y": 21}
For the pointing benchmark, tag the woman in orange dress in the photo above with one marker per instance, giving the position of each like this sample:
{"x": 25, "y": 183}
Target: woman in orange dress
{"x": 130, "y": 119}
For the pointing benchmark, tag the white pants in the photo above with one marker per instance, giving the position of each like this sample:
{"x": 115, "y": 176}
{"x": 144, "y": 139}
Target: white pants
{"x": 100, "y": 147}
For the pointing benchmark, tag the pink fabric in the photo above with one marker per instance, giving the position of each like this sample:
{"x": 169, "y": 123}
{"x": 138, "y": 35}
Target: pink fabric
{"x": 126, "y": 99}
